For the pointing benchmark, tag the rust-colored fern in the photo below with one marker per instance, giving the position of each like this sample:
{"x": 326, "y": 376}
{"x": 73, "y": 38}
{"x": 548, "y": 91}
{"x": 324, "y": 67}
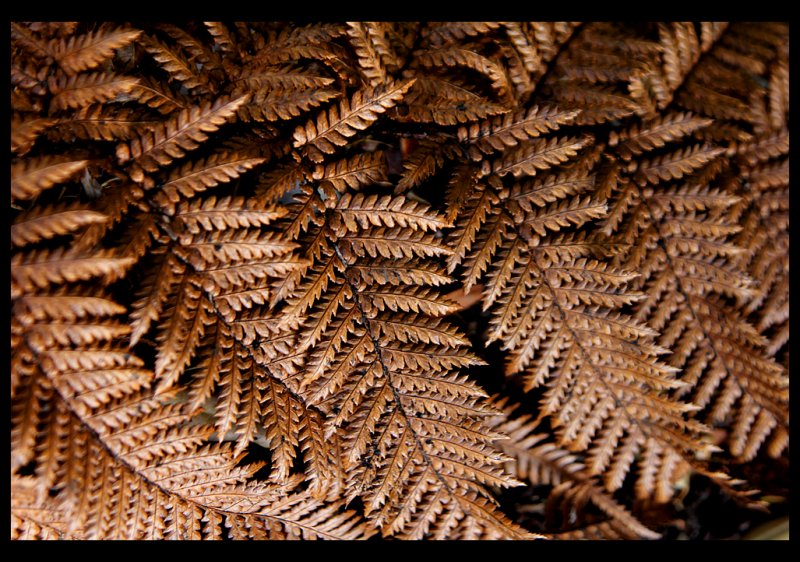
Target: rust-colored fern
{"x": 265, "y": 277}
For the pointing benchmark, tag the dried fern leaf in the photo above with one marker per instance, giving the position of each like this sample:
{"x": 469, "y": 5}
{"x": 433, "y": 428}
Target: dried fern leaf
{"x": 156, "y": 95}
{"x": 153, "y": 294}
{"x": 179, "y": 337}
{"x": 537, "y": 155}
{"x": 429, "y": 156}
{"x": 198, "y": 51}
{"x": 509, "y": 129}
{"x": 367, "y": 211}
{"x": 195, "y": 177}
{"x": 473, "y": 215}
{"x": 222, "y": 36}
{"x": 25, "y": 37}
{"x": 182, "y": 133}
{"x": 331, "y": 128}
{"x": 178, "y": 68}
{"x": 449, "y": 32}
{"x": 393, "y": 243}
{"x": 50, "y": 222}
{"x": 372, "y": 48}
{"x": 541, "y": 462}
{"x": 227, "y": 212}
{"x": 453, "y": 56}
{"x": 93, "y": 122}
{"x": 354, "y": 173}
{"x": 32, "y": 176}
{"x": 284, "y": 103}
{"x": 655, "y": 134}
{"x": 84, "y": 52}
{"x": 38, "y": 270}
{"x": 434, "y": 100}
{"x": 24, "y": 132}
{"x": 73, "y": 92}
{"x": 677, "y": 164}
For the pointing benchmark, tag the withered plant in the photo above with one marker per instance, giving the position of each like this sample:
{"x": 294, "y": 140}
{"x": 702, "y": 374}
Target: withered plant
{"x": 404, "y": 280}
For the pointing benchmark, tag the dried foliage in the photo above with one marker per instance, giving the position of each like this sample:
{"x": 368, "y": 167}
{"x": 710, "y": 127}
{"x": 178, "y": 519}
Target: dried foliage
{"x": 241, "y": 252}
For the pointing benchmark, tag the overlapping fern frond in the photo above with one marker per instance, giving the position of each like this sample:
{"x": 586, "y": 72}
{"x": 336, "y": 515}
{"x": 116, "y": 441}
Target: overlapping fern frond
{"x": 239, "y": 249}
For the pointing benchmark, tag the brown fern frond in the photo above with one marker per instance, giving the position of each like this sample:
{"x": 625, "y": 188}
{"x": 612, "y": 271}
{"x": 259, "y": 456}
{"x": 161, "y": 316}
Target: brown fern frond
{"x": 410, "y": 377}
{"x": 360, "y": 211}
{"x": 450, "y": 32}
{"x": 451, "y": 56}
{"x": 24, "y": 132}
{"x": 279, "y": 336}
{"x": 151, "y": 150}
{"x": 537, "y": 155}
{"x": 222, "y": 36}
{"x": 332, "y": 128}
{"x": 38, "y": 270}
{"x": 25, "y": 38}
{"x": 156, "y": 95}
{"x": 40, "y": 224}
{"x": 426, "y": 158}
{"x": 557, "y": 314}
{"x": 685, "y": 265}
{"x": 94, "y": 122}
{"x": 284, "y": 103}
{"x": 195, "y": 177}
{"x": 179, "y": 69}
{"x": 473, "y": 215}
{"x": 444, "y": 102}
{"x": 507, "y": 130}
{"x": 362, "y": 170}
{"x": 73, "y": 92}
{"x": 543, "y": 463}
{"x": 198, "y": 51}
{"x": 85, "y": 52}
{"x": 655, "y": 134}
{"x": 373, "y": 50}
{"x": 220, "y": 214}
{"x": 188, "y": 318}
{"x": 676, "y": 165}
{"x": 32, "y": 176}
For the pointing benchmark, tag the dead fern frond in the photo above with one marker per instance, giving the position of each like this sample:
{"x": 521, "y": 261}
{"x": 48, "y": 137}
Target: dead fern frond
{"x": 264, "y": 277}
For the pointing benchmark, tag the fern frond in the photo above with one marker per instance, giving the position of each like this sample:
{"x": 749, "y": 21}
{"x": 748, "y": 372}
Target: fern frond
{"x": 428, "y": 156}
{"x": 372, "y": 48}
{"x": 537, "y": 155}
{"x": 220, "y": 214}
{"x": 188, "y": 318}
{"x": 94, "y": 123}
{"x": 53, "y": 221}
{"x": 24, "y": 132}
{"x": 434, "y": 100}
{"x": 449, "y": 32}
{"x": 32, "y": 176}
{"x": 508, "y": 130}
{"x": 331, "y": 128}
{"x": 178, "y": 68}
{"x": 354, "y": 173}
{"x": 676, "y": 165}
{"x": 365, "y": 212}
{"x": 195, "y": 177}
{"x": 38, "y": 270}
{"x": 451, "y": 56}
{"x": 544, "y": 463}
{"x": 655, "y": 134}
{"x": 84, "y": 52}
{"x": 73, "y": 92}
{"x": 184, "y": 132}
{"x": 277, "y": 336}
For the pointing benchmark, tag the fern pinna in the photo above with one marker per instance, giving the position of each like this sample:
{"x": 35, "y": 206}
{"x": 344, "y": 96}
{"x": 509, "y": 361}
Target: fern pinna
{"x": 239, "y": 253}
